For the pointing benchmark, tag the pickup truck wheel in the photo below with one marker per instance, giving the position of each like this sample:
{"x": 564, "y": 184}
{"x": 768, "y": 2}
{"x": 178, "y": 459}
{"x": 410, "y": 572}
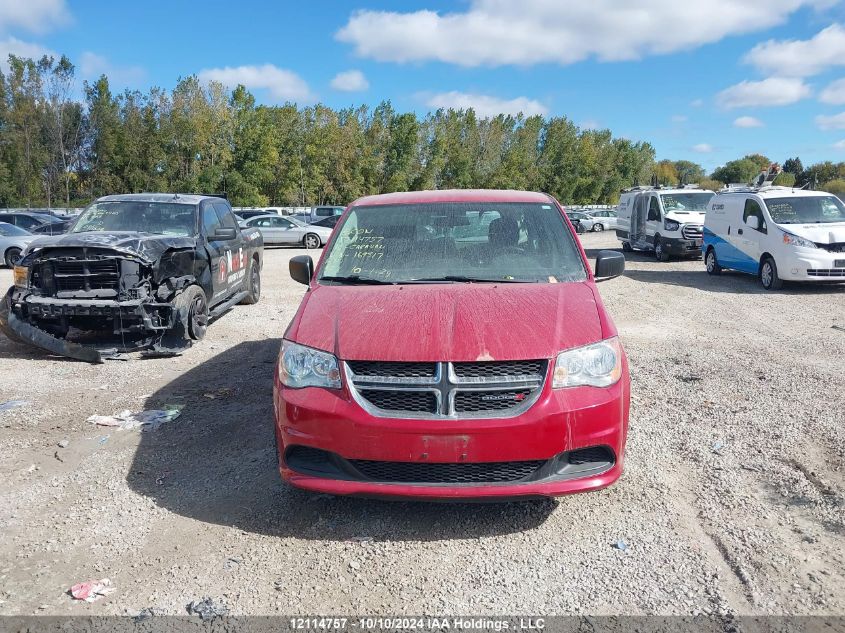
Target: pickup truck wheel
{"x": 598, "y": 227}
{"x": 312, "y": 240}
{"x": 254, "y": 288}
{"x": 12, "y": 256}
{"x": 712, "y": 263}
{"x": 769, "y": 275}
{"x": 191, "y": 309}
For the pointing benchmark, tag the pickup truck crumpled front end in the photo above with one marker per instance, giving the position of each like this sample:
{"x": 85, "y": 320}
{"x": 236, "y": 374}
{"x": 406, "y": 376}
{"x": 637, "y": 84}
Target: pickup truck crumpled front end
{"x": 111, "y": 293}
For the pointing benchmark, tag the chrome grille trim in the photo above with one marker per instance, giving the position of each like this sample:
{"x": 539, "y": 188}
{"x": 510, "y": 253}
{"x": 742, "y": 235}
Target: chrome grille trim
{"x": 445, "y": 386}
{"x": 692, "y": 231}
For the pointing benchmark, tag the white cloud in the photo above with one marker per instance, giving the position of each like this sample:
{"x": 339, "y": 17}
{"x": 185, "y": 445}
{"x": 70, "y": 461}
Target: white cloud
{"x": 748, "y": 121}
{"x": 702, "y": 148}
{"x": 834, "y": 94}
{"x": 14, "y": 46}
{"x": 91, "y": 66}
{"x": 350, "y": 81}
{"x": 486, "y": 105}
{"x": 774, "y": 91}
{"x": 832, "y": 122}
{"x": 499, "y": 32}
{"x": 697, "y": 103}
{"x": 839, "y": 144}
{"x": 800, "y": 58}
{"x": 679, "y": 118}
{"x": 282, "y": 85}
{"x": 36, "y": 16}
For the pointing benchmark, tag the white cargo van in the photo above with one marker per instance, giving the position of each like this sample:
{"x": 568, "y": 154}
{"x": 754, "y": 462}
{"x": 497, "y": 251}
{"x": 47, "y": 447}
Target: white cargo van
{"x": 665, "y": 220}
{"x": 776, "y": 233}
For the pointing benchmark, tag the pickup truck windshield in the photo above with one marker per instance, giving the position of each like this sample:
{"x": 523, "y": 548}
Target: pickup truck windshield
{"x": 163, "y": 218}
{"x": 453, "y": 243}
{"x": 806, "y": 210}
{"x": 680, "y": 202}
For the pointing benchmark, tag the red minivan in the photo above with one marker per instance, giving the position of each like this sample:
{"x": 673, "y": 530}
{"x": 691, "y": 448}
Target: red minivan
{"x": 452, "y": 345}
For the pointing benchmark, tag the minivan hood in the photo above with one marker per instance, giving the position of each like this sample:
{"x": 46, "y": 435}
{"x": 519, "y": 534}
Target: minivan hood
{"x": 831, "y": 233}
{"x": 448, "y": 322}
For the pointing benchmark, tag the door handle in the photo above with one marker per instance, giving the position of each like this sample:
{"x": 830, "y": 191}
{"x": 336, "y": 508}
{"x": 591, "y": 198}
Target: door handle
{"x": 739, "y": 231}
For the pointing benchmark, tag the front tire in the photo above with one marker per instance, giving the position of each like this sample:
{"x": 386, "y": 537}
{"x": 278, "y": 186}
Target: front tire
{"x": 712, "y": 264}
{"x": 627, "y": 248}
{"x": 12, "y": 256}
{"x": 769, "y": 277}
{"x": 254, "y": 288}
{"x": 312, "y": 240}
{"x": 598, "y": 227}
{"x": 660, "y": 250}
{"x": 191, "y": 307}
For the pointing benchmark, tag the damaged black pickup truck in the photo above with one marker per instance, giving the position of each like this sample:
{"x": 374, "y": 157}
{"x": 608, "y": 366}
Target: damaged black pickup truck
{"x": 141, "y": 272}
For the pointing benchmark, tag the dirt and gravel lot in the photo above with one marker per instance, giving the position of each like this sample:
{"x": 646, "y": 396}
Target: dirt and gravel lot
{"x": 732, "y": 500}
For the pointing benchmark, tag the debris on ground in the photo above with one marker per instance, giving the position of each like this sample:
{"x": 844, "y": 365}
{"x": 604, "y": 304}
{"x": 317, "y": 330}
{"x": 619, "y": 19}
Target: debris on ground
{"x": 717, "y": 447}
{"x": 621, "y": 545}
{"x": 91, "y": 590}
{"x": 838, "y": 327}
{"x": 56, "y": 455}
{"x": 64, "y": 444}
{"x": 12, "y": 404}
{"x": 207, "y": 609}
{"x": 690, "y": 378}
{"x": 232, "y": 562}
{"x": 145, "y": 420}
{"x": 144, "y": 614}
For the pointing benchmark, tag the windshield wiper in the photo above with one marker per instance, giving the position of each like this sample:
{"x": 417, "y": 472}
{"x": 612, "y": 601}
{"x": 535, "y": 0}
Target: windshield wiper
{"x": 357, "y": 280}
{"x": 464, "y": 279}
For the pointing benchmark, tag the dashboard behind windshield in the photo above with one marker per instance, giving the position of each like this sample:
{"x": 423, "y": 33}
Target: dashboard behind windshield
{"x": 680, "y": 202}
{"x": 161, "y": 218}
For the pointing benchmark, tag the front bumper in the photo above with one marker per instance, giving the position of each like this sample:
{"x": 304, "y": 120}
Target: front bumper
{"x": 817, "y": 265}
{"x": 561, "y": 421}
{"x": 682, "y": 247}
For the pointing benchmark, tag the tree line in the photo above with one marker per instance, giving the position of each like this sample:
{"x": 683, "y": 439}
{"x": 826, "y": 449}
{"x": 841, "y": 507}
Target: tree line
{"x": 60, "y": 148}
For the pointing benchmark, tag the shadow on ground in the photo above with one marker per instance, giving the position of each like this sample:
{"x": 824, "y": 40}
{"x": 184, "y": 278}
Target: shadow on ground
{"x": 217, "y": 463}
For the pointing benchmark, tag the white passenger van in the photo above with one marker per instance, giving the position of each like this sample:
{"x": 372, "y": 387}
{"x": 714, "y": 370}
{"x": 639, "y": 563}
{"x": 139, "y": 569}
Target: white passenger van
{"x": 665, "y": 220}
{"x": 776, "y": 233}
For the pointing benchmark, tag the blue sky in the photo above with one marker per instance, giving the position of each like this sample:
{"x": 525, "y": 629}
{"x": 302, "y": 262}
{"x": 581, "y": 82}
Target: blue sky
{"x": 658, "y": 70}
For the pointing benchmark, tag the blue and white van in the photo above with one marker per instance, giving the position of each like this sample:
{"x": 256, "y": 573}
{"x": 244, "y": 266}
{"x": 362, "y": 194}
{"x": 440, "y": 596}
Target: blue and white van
{"x": 776, "y": 233}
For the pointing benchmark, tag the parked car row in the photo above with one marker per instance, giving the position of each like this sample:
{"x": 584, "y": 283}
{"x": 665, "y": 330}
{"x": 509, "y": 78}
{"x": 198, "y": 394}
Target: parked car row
{"x": 280, "y": 230}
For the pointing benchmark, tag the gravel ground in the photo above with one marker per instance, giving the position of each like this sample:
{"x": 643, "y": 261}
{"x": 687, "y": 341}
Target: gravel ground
{"x": 732, "y": 501}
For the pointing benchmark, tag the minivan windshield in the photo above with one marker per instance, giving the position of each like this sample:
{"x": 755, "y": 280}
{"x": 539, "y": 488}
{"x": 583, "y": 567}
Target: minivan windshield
{"x": 163, "y": 218}
{"x": 806, "y": 210}
{"x": 683, "y": 202}
{"x": 453, "y": 243}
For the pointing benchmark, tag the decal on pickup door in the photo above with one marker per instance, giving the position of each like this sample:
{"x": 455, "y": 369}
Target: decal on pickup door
{"x": 232, "y": 269}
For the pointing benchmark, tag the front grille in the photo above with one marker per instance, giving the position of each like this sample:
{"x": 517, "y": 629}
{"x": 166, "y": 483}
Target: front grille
{"x": 84, "y": 275}
{"x": 479, "y": 401}
{"x": 397, "y": 370}
{"x": 410, "y": 401}
{"x": 692, "y": 231}
{"x": 427, "y": 473}
{"x": 446, "y": 390}
{"x": 826, "y": 272}
{"x": 510, "y": 369}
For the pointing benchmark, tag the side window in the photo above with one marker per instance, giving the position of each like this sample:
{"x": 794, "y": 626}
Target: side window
{"x": 210, "y": 221}
{"x": 227, "y": 218}
{"x": 752, "y": 209}
{"x": 653, "y": 209}
{"x": 282, "y": 223}
{"x": 323, "y": 212}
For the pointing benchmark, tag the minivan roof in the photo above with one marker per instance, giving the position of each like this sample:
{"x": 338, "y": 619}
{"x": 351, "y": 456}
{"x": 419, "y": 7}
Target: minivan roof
{"x": 452, "y": 195}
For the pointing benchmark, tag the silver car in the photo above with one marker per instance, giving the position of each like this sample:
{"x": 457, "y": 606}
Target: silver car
{"x": 604, "y": 219}
{"x": 13, "y": 241}
{"x": 286, "y": 230}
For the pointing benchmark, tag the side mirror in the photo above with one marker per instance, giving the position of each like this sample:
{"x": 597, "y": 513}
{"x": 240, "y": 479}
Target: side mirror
{"x": 222, "y": 233}
{"x": 609, "y": 264}
{"x": 301, "y": 269}
{"x": 753, "y": 221}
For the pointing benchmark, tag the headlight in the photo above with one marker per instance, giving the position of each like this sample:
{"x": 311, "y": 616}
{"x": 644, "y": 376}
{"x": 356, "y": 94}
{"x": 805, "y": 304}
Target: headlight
{"x": 302, "y": 366}
{"x": 21, "y": 277}
{"x": 794, "y": 240}
{"x": 599, "y": 365}
{"x": 671, "y": 225}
